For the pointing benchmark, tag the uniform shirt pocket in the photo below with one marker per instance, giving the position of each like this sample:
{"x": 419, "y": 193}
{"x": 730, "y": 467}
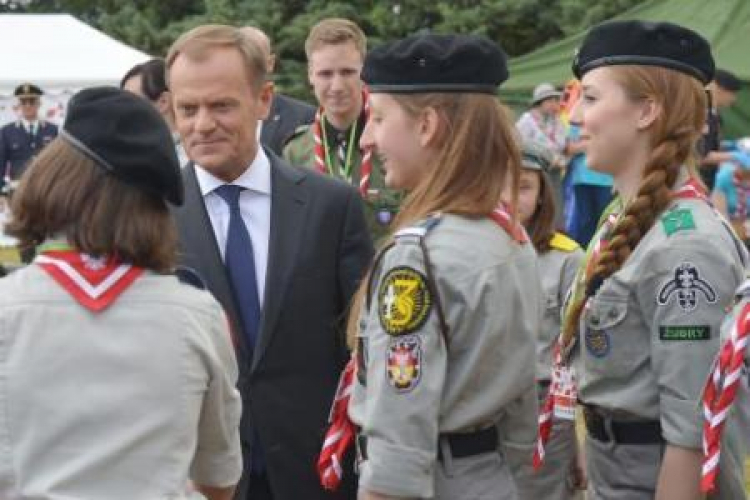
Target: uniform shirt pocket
{"x": 610, "y": 346}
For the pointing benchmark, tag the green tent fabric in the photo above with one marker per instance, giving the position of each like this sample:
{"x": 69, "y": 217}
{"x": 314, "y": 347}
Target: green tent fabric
{"x": 725, "y": 23}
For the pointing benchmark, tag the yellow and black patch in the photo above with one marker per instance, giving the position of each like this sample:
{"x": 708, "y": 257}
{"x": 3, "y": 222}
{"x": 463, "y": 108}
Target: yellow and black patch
{"x": 404, "y": 301}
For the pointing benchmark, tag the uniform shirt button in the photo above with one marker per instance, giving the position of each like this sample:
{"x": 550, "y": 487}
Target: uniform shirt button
{"x": 612, "y": 313}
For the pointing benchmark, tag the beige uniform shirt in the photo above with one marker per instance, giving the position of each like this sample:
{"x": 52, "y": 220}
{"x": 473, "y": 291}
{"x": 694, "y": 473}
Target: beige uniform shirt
{"x": 650, "y": 333}
{"x": 411, "y": 387}
{"x": 125, "y": 404}
{"x": 558, "y": 267}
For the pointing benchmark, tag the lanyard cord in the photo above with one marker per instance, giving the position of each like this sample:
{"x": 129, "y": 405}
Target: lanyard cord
{"x": 347, "y": 170}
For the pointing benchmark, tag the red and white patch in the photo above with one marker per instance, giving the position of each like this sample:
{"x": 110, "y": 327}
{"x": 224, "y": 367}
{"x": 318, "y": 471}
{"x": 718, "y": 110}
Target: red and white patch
{"x": 404, "y": 363}
{"x": 94, "y": 282}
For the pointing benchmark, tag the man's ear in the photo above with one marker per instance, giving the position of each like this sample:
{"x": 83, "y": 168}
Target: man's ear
{"x": 265, "y": 98}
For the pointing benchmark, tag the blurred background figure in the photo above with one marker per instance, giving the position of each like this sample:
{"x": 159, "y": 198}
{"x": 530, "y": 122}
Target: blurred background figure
{"x": 723, "y": 91}
{"x": 24, "y": 138}
{"x": 731, "y": 192}
{"x": 543, "y": 124}
{"x": 118, "y": 380}
{"x": 148, "y": 80}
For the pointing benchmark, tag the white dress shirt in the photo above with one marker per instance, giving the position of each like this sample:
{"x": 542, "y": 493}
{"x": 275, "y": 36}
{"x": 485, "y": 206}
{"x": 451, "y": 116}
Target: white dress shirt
{"x": 255, "y": 206}
{"x": 27, "y": 125}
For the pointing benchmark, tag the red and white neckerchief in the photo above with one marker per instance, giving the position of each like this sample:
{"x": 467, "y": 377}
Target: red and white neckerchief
{"x": 690, "y": 190}
{"x": 322, "y": 164}
{"x": 340, "y": 434}
{"x": 742, "y": 191}
{"x": 94, "y": 282}
{"x": 719, "y": 395}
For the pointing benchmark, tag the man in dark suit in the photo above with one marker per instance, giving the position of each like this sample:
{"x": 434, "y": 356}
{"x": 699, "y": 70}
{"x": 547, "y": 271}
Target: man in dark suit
{"x": 21, "y": 140}
{"x": 287, "y": 114}
{"x": 283, "y": 249}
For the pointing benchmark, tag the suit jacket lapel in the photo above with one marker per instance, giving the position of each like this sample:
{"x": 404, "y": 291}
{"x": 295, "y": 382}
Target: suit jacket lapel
{"x": 288, "y": 200}
{"x": 198, "y": 236}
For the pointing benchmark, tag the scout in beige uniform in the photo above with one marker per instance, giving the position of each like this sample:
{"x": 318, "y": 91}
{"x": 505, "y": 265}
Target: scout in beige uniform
{"x": 335, "y": 51}
{"x": 559, "y": 259}
{"x": 445, "y": 337}
{"x": 660, "y": 271}
{"x": 118, "y": 381}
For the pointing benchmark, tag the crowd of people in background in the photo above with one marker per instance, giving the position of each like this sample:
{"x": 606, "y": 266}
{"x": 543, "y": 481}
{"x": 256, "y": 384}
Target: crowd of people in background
{"x": 399, "y": 292}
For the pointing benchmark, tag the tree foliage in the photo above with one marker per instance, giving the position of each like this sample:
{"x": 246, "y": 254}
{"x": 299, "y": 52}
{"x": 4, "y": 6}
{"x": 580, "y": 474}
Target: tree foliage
{"x": 519, "y": 25}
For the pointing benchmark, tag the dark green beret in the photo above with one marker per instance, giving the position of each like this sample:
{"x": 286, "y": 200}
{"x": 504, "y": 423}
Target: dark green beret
{"x": 126, "y": 136}
{"x": 645, "y": 43}
{"x": 436, "y": 63}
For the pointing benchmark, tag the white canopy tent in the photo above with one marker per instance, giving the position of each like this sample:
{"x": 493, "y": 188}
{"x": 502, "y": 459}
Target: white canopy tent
{"x": 61, "y": 55}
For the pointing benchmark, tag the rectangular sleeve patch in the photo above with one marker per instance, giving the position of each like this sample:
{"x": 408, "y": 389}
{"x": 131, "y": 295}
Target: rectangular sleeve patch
{"x": 685, "y": 333}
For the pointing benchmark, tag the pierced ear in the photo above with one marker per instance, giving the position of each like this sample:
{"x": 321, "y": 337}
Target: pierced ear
{"x": 650, "y": 111}
{"x": 428, "y": 126}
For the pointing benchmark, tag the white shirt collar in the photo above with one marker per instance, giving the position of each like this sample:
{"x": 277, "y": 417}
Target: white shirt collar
{"x": 257, "y": 177}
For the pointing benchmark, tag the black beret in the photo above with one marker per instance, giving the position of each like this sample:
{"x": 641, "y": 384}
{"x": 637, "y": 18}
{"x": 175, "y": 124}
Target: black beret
{"x": 645, "y": 43}
{"x": 125, "y": 134}
{"x": 27, "y": 90}
{"x": 436, "y": 63}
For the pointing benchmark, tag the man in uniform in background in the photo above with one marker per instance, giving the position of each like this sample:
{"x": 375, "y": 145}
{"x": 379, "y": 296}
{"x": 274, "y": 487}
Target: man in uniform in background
{"x": 286, "y": 114}
{"x": 21, "y": 140}
{"x": 335, "y": 50}
{"x": 723, "y": 90}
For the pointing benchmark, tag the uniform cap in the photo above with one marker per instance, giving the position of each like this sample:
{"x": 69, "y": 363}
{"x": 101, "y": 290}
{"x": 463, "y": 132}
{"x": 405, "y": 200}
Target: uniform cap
{"x": 429, "y": 63}
{"x": 126, "y": 136}
{"x": 645, "y": 43}
{"x": 27, "y": 90}
{"x": 544, "y": 91}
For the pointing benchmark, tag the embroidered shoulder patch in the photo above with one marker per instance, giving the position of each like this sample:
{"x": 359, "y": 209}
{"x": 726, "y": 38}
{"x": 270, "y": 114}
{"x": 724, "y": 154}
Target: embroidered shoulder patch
{"x": 404, "y": 301}
{"x": 404, "y": 363}
{"x": 684, "y": 333}
{"x": 687, "y": 287}
{"x": 679, "y": 219}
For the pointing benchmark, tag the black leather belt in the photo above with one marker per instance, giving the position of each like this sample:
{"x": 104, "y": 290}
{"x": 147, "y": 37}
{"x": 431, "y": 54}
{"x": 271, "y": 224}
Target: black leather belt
{"x": 605, "y": 429}
{"x": 461, "y": 444}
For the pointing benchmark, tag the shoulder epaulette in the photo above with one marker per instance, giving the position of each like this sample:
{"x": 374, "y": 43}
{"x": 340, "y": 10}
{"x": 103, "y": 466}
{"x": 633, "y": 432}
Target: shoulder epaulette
{"x": 419, "y": 229}
{"x": 563, "y": 243}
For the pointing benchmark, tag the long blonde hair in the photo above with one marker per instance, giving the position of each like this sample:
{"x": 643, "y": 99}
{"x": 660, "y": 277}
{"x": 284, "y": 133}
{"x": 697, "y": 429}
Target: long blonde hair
{"x": 478, "y": 155}
{"x": 674, "y": 135}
